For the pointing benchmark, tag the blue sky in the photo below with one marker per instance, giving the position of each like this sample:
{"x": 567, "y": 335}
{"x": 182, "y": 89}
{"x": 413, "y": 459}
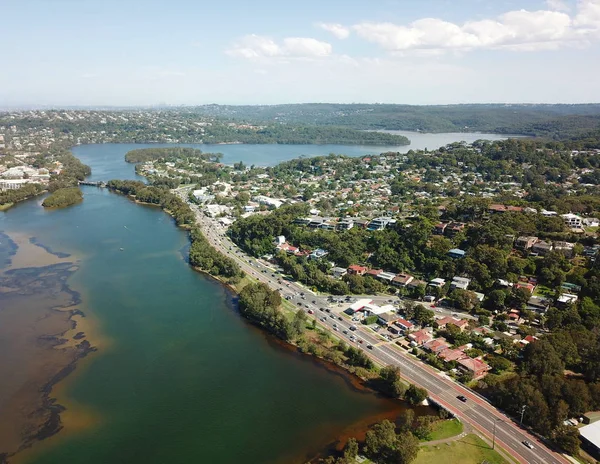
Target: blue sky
{"x": 134, "y": 52}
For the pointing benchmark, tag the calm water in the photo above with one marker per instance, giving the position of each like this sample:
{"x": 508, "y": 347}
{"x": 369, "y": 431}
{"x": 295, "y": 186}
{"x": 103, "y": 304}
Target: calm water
{"x": 267, "y": 155}
{"x": 183, "y": 378}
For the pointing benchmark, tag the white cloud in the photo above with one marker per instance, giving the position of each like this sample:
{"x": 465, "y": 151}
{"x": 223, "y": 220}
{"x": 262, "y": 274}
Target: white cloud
{"x": 515, "y": 30}
{"x": 260, "y": 47}
{"x": 558, "y": 5}
{"x": 341, "y": 32}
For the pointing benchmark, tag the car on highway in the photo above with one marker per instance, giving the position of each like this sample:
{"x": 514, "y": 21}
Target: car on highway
{"x": 462, "y": 398}
{"x": 310, "y": 311}
{"x": 327, "y": 310}
{"x": 345, "y": 332}
{"x": 370, "y": 347}
{"x": 528, "y": 444}
{"x": 336, "y": 329}
{"x": 340, "y": 318}
{"x": 323, "y": 319}
{"x": 352, "y": 327}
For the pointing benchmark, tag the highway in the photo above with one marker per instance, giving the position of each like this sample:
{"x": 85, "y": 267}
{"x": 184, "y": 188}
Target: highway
{"x": 476, "y": 411}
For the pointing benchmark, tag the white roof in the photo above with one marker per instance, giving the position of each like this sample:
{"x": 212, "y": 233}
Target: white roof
{"x": 591, "y": 433}
{"x": 386, "y": 275}
{"x": 438, "y": 280}
{"x": 377, "y": 310}
{"x": 360, "y": 304}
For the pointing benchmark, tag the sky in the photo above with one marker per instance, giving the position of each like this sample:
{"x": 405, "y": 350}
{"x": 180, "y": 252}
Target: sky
{"x": 190, "y": 52}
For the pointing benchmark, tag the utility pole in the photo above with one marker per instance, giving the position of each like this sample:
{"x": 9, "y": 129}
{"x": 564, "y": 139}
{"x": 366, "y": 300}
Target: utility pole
{"x": 494, "y": 433}
{"x": 522, "y": 414}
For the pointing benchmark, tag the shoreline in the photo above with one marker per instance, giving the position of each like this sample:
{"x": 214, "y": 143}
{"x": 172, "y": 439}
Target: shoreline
{"x": 46, "y": 338}
{"x": 351, "y": 379}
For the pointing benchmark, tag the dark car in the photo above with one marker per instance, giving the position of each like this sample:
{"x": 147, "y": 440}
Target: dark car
{"x": 370, "y": 347}
{"x": 462, "y": 398}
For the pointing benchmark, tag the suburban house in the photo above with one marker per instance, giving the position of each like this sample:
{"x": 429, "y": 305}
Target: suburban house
{"x": 503, "y": 209}
{"x": 572, "y": 221}
{"x": 374, "y": 272}
{"x": 454, "y": 228}
{"x": 460, "y": 282}
{"x": 457, "y": 253}
{"x": 404, "y": 325}
{"x": 355, "y": 269}
{"x": 450, "y": 354}
{"x": 380, "y": 223}
{"x": 386, "y": 276}
{"x": 476, "y": 367}
{"x": 437, "y": 282}
{"x": 542, "y": 247}
{"x": 525, "y": 242}
{"x": 402, "y": 280}
{"x": 436, "y": 345}
{"x": 339, "y": 272}
{"x": 345, "y": 224}
{"x": 537, "y": 304}
{"x": 567, "y": 248}
{"x": 387, "y": 318}
{"x": 421, "y": 337}
{"x": 566, "y": 299}
{"x": 440, "y": 228}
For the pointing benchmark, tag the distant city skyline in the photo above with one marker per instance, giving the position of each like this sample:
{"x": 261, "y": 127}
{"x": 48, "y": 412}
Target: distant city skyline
{"x": 143, "y": 53}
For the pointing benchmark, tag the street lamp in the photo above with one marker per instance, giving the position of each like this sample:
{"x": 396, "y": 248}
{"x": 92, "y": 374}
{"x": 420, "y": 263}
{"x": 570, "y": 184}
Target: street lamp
{"x": 494, "y": 433}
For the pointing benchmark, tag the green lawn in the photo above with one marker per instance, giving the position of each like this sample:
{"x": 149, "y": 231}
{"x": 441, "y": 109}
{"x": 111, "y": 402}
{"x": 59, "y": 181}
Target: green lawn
{"x": 446, "y": 429}
{"x": 468, "y": 450}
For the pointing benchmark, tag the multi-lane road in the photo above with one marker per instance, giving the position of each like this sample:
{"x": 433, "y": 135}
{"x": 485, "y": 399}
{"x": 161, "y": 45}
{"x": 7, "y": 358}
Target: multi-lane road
{"x": 475, "y": 411}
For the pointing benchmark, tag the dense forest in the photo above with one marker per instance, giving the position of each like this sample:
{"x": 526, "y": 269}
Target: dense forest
{"x": 553, "y": 121}
{"x": 63, "y": 197}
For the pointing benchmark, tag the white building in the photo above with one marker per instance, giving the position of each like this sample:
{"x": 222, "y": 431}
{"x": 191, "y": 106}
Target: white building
{"x": 572, "y": 220}
{"x": 460, "y": 282}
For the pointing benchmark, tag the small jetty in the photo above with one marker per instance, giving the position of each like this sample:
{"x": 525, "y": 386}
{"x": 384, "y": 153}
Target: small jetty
{"x": 99, "y": 183}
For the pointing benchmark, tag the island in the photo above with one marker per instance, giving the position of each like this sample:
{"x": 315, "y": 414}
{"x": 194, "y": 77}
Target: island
{"x": 63, "y": 197}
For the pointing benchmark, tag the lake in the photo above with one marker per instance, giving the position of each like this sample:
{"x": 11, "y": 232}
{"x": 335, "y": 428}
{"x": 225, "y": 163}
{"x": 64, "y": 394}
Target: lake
{"x": 267, "y": 155}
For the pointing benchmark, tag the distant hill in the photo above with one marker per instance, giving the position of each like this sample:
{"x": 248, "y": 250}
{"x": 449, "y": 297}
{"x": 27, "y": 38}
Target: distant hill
{"x": 553, "y": 121}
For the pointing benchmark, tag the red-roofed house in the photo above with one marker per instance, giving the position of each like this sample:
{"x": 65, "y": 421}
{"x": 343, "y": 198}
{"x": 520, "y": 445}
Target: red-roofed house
{"x": 444, "y": 321}
{"x": 451, "y": 355}
{"x": 462, "y": 324}
{"x": 374, "y": 272}
{"x": 357, "y": 270}
{"x": 288, "y": 248}
{"x": 436, "y": 345}
{"x": 476, "y": 367}
{"x": 420, "y": 337}
{"x": 404, "y": 324}
{"x": 526, "y": 285}
{"x": 402, "y": 280}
